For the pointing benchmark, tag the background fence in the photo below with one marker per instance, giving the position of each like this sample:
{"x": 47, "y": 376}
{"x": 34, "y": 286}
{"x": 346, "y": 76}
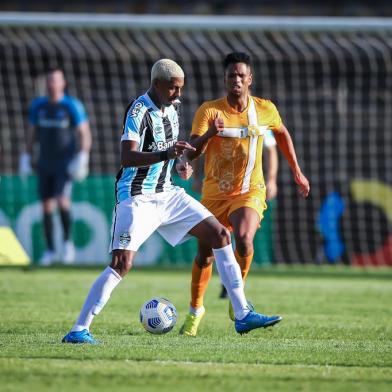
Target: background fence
{"x": 331, "y": 80}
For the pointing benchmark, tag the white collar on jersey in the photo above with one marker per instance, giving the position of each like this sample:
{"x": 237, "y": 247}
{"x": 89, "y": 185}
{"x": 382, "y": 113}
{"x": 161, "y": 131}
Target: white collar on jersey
{"x": 252, "y": 130}
{"x": 155, "y": 107}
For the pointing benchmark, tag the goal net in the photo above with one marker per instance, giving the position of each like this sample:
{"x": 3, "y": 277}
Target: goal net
{"x": 331, "y": 81}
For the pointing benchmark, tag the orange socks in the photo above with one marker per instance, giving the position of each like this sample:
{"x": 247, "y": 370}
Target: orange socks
{"x": 244, "y": 263}
{"x": 200, "y": 279}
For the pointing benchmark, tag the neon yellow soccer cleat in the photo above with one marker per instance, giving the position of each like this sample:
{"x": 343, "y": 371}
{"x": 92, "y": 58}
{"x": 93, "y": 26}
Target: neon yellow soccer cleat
{"x": 191, "y": 324}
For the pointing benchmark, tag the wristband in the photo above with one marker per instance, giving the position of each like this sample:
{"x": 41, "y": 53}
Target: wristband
{"x": 163, "y": 155}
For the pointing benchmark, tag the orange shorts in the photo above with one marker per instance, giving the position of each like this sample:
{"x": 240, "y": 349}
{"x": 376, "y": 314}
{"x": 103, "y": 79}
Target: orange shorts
{"x": 223, "y": 208}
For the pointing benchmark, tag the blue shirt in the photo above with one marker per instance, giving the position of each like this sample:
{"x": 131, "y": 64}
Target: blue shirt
{"x": 55, "y": 124}
{"x": 154, "y": 130}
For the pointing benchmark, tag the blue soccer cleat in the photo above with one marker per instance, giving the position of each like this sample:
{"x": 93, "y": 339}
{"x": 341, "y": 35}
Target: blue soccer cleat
{"x": 79, "y": 337}
{"x": 255, "y": 320}
{"x": 251, "y": 307}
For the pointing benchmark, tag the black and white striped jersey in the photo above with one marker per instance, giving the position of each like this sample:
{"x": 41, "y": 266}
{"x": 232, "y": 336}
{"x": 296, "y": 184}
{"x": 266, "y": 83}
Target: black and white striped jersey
{"x": 154, "y": 130}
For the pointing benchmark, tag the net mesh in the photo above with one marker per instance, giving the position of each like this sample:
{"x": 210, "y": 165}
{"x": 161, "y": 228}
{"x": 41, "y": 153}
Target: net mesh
{"x": 333, "y": 90}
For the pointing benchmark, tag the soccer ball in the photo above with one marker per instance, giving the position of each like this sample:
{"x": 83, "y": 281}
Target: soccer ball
{"x": 158, "y": 315}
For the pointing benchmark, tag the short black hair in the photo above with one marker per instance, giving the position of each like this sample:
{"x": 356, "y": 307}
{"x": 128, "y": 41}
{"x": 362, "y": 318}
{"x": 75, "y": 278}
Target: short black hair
{"x": 237, "y": 57}
{"x": 54, "y": 69}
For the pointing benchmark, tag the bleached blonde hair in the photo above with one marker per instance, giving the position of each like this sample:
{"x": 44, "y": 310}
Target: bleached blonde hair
{"x": 165, "y": 69}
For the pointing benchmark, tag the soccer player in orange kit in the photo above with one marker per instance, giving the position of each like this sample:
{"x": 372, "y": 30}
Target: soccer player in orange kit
{"x": 229, "y": 131}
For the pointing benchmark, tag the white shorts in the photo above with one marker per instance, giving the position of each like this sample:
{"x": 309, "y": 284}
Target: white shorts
{"x": 173, "y": 214}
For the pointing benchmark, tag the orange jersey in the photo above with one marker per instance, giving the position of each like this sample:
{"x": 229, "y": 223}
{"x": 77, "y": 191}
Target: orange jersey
{"x": 233, "y": 166}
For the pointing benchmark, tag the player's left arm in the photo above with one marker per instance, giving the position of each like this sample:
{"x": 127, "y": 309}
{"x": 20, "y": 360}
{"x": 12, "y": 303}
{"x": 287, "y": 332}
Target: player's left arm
{"x": 272, "y": 173}
{"x": 285, "y": 144}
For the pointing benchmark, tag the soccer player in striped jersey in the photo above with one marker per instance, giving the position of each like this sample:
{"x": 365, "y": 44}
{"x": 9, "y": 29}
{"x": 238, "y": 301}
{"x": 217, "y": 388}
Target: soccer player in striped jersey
{"x": 147, "y": 201}
{"x": 230, "y": 132}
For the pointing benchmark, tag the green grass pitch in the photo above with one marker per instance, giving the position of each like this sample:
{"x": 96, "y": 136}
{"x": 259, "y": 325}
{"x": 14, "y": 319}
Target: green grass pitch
{"x": 336, "y": 334}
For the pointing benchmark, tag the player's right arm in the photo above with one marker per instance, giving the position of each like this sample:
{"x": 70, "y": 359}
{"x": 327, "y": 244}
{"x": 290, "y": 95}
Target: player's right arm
{"x": 134, "y": 126}
{"x": 30, "y": 139}
{"x": 25, "y": 165}
{"x": 33, "y": 120}
{"x": 206, "y": 124}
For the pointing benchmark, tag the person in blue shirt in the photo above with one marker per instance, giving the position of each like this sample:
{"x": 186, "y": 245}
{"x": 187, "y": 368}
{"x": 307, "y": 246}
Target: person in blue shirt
{"x": 60, "y": 130}
{"x": 148, "y": 201}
